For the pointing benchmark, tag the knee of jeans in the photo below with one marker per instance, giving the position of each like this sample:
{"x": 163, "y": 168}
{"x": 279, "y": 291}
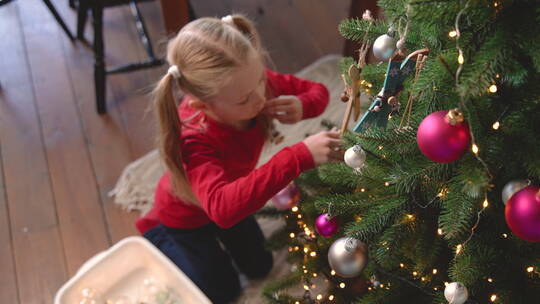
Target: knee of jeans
{"x": 262, "y": 268}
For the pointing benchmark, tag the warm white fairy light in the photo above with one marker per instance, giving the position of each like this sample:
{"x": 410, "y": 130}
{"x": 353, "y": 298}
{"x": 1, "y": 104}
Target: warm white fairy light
{"x": 387, "y": 184}
{"x": 380, "y": 147}
{"x": 452, "y": 34}
{"x": 306, "y": 249}
{"x": 401, "y": 265}
{"x": 496, "y": 125}
{"x": 475, "y": 149}
{"x": 306, "y": 287}
{"x": 294, "y": 209}
{"x": 333, "y": 272}
{"x": 492, "y": 88}
{"x": 291, "y": 235}
{"x": 490, "y": 280}
{"x": 458, "y": 248}
{"x": 314, "y": 275}
{"x": 296, "y": 302}
{"x": 362, "y": 189}
{"x": 313, "y": 254}
{"x": 415, "y": 273}
{"x": 439, "y": 231}
{"x": 434, "y": 271}
{"x": 485, "y": 204}
{"x": 319, "y": 297}
{"x": 530, "y": 269}
{"x": 504, "y": 235}
{"x": 460, "y": 58}
{"x": 493, "y": 298}
{"x": 299, "y": 216}
{"x": 341, "y": 285}
{"x": 331, "y": 297}
{"x": 305, "y": 271}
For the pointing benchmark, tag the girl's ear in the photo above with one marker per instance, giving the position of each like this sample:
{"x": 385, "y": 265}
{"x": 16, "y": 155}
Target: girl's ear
{"x": 197, "y": 104}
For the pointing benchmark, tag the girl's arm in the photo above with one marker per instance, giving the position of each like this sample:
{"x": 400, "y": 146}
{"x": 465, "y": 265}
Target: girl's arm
{"x": 313, "y": 95}
{"x": 227, "y": 201}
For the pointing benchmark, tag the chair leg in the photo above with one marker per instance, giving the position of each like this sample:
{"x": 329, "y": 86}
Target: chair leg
{"x": 59, "y": 19}
{"x": 99, "y": 63}
{"x": 82, "y": 14}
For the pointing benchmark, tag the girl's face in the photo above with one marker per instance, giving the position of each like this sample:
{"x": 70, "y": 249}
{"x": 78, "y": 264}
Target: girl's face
{"x": 243, "y": 97}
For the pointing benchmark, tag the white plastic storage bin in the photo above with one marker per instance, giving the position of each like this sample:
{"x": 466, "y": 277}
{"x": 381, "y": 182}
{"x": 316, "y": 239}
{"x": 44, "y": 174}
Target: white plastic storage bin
{"x": 121, "y": 270}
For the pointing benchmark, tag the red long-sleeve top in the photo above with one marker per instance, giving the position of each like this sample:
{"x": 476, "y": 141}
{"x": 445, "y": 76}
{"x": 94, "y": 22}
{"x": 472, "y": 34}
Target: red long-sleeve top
{"x": 220, "y": 164}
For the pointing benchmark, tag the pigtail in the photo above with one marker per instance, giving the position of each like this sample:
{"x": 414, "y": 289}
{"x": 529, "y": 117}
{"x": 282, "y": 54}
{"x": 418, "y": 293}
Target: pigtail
{"x": 170, "y": 140}
{"x": 246, "y": 27}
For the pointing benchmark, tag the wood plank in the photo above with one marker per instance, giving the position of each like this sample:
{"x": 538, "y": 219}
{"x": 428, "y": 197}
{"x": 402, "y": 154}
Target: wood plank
{"x": 107, "y": 140}
{"x": 8, "y": 279}
{"x": 78, "y": 205}
{"x": 37, "y": 246}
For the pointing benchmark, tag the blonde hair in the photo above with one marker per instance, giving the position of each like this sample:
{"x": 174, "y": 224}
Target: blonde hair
{"x": 205, "y": 51}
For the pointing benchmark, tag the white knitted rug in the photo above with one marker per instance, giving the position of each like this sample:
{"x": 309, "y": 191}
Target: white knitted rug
{"x": 135, "y": 188}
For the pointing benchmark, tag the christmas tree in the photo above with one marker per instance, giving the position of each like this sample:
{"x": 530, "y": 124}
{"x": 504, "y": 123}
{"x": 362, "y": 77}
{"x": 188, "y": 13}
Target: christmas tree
{"x": 438, "y": 201}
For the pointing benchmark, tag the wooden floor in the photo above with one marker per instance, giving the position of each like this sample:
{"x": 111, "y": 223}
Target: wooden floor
{"x": 59, "y": 159}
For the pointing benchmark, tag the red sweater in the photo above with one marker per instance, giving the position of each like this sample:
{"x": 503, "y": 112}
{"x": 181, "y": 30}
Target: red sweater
{"x": 220, "y": 164}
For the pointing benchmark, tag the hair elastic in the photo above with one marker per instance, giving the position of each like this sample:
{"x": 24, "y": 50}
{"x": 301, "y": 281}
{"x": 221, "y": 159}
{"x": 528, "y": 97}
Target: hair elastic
{"x": 174, "y": 72}
{"x": 228, "y": 19}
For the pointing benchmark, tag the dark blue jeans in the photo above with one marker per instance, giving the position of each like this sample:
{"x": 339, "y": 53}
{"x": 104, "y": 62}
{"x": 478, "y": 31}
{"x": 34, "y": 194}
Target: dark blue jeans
{"x": 198, "y": 254}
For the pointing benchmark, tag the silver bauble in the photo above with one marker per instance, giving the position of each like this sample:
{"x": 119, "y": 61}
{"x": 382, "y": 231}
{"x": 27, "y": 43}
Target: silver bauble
{"x": 383, "y": 47}
{"x": 456, "y": 293}
{"x": 513, "y": 187}
{"x": 355, "y": 157}
{"x": 348, "y": 257}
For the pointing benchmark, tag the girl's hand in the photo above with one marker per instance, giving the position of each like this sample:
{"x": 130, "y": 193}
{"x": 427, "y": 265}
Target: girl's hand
{"x": 325, "y": 147}
{"x": 287, "y": 109}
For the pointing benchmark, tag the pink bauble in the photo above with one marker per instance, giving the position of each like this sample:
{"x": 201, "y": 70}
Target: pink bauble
{"x": 287, "y": 198}
{"x": 441, "y": 141}
{"x": 523, "y": 213}
{"x": 326, "y": 225}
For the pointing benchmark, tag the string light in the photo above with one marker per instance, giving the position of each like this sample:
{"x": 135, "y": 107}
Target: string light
{"x": 458, "y": 248}
{"x": 460, "y": 58}
{"x": 439, "y": 231}
{"x": 341, "y": 285}
{"x": 357, "y": 218}
{"x": 496, "y": 125}
{"x": 333, "y": 272}
{"x": 380, "y": 147}
{"x": 331, "y": 297}
{"x": 452, "y": 34}
{"x": 434, "y": 271}
{"x": 363, "y": 190}
{"x": 493, "y": 297}
{"x": 294, "y": 209}
{"x": 313, "y": 254}
{"x": 299, "y": 216}
{"x": 504, "y": 235}
{"x": 306, "y": 249}
{"x": 319, "y": 297}
{"x": 490, "y": 280}
{"x": 296, "y": 248}
{"x": 306, "y": 287}
{"x": 475, "y": 149}
{"x": 291, "y": 235}
{"x": 296, "y": 302}
{"x": 387, "y": 184}
{"x": 290, "y": 249}
{"x": 401, "y": 265}
{"x": 423, "y": 279}
{"x": 530, "y": 269}
{"x": 314, "y": 275}
{"x": 492, "y": 88}
{"x": 415, "y": 273}
{"x": 485, "y": 204}
{"x": 410, "y": 216}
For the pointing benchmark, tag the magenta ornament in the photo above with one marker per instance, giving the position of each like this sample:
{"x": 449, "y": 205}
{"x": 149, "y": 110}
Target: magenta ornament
{"x": 443, "y": 138}
{"x": 287, "y": 198}
{"x": 522, "y": 213}
{"x": 326, "y": 225}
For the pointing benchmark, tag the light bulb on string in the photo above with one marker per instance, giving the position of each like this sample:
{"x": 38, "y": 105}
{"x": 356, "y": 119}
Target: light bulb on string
{"x": 496, "y": 125}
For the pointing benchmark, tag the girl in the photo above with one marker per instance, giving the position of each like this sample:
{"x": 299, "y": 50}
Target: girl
{"x": 202, "y": 215}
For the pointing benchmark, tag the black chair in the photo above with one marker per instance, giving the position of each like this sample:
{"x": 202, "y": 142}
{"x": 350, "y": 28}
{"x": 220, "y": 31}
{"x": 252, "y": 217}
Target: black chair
{"x": 100, "y": 70}
{"x": 57, "y": 17}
